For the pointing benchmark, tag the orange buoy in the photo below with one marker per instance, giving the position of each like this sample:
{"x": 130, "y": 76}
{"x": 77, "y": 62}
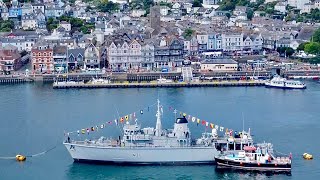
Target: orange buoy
{"x": 20, "y": 157}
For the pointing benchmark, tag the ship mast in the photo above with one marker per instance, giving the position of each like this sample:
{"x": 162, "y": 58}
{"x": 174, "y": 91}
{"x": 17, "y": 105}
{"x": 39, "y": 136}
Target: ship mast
{"x": 158, "y": 124}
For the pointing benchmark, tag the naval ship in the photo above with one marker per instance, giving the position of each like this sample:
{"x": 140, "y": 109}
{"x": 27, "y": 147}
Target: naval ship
{"x": 156, "y": 145}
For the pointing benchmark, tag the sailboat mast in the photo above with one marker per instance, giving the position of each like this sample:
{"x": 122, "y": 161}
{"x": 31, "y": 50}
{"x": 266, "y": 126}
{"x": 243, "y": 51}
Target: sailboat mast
{"x": 158, "y": 124}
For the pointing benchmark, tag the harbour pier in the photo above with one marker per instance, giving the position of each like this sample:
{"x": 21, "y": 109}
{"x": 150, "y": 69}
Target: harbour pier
{"x": 159, "y": 85}
{"x": 14, "y": 79}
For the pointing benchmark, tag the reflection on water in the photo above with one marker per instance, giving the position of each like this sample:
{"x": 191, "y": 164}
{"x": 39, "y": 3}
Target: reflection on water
{"x": 94, "y": 171}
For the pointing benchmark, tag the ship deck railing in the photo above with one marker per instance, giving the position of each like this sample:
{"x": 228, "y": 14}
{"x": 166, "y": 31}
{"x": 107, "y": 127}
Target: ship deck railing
{"x": 112, "y": 144}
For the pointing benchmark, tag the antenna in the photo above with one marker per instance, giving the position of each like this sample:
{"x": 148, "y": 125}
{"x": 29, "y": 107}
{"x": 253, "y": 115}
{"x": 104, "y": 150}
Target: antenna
{"x": 242, "y": 122}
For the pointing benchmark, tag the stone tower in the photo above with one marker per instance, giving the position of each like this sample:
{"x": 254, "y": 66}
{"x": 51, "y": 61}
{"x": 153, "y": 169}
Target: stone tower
{"x": 155, "y": 19}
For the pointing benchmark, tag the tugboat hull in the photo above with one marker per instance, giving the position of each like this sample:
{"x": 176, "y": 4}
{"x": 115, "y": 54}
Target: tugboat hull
{"x": 252, "y": 166}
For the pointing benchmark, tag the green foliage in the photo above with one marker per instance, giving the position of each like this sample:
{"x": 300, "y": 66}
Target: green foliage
{"x": 302, "y": 46}
{"x": 316, "y": 36}
{"x": 288, "y": 18}
{"x": 76, "y": 24}
{"x": 86, "y": 29}
{"x": 108, "y": 6}
{"x": 314, "y": 15}
{"x": 165, "y": 4}
{"x": 52, "y": 24}
{"x": 197, "y": 3}
{"x": 250, "y": 14}
{"x": 229, "y": 5}
{"x": 144, "y": 4}
{"x": 288, "y": 51}
{"x": 312, "y": 48}
{"x": 6, "y": 26}
{"x": 188, "y": 33}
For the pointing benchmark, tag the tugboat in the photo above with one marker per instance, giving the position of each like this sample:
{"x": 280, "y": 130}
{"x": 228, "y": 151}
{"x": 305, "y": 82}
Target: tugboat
{"x": 255, "y": 158}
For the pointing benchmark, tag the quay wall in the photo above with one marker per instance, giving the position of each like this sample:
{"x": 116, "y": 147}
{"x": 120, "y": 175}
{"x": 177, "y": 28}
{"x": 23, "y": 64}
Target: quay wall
{"x": 160, "y": 85}
{"x": 151, "y": 76}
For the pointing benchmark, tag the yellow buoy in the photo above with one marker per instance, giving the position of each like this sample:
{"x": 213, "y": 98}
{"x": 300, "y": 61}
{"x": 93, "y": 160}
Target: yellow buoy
{"x": 307, "y": 156}
{"x": 20, "y": 157}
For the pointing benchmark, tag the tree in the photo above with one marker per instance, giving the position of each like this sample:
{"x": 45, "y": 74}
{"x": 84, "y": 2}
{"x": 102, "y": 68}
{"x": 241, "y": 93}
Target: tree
{"x": 302, "y": 46}
{"x": 6, "y": 26}
{"x": 108, "y": 6}
{"x": 188, "y": 33}
{"x": 312, "y": 48}
{"x": 250, "y": 14}
{"x": 196, "y": 3}
{"x": 165, "y": 4}
{"x": 288, "y": 51}
{"x": 316, "y": 36}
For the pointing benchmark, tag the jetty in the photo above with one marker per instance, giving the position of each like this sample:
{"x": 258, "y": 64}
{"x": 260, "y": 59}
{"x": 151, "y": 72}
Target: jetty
{"x": 158, "y": 85}
{"x": 14, "y": 79}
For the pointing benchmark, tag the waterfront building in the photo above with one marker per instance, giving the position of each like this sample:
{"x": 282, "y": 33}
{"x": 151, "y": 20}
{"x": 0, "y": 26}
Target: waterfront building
{"x": 168, "y": 52}
{"x": 75, "y": 58}
{"x": 10, "y": 59}
{"x": 214, "y": 42}
{"x": 232, "y": 41}
{"x": 92, "y": 56}
{"x": 60, "y": 57}
{"x": 202, "y": 42}
{"x": 42, "y": 57}
{"x": 252, "y": 42}
{"x": 219, "y": 65}
{"x": 126, "y": 54}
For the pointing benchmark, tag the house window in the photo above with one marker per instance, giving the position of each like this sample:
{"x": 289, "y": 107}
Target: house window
{"x": 44, "y": 54}
{"x": 39, "y": 54}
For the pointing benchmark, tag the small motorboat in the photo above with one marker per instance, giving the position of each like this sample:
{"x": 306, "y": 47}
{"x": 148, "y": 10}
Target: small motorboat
{"x": 255, "y": 158}
{"x": 307, "y": 156}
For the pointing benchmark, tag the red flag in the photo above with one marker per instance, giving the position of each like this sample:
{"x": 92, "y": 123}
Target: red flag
{"x": 121, "y": 120}
{"x": 203, "y": 122}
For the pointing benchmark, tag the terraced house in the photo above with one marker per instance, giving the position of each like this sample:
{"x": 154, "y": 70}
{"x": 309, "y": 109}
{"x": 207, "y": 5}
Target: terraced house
{"x": 42, "y": 57}
{"x": 168, "y": 52}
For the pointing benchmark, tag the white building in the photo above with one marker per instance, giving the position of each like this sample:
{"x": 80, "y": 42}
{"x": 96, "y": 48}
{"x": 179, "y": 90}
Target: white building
{"x": 298, "y": 3}
{"x": 65, "y": 25}
{"x": 281, "y": 7}
{"x": 28, "y": 21}
{"x": 164, "y": 10}
{"x": 307, "y": 8}
{"x": 317, "y": 4}
{"x": 138, "y": 12}
{"x": 232, "y": 41}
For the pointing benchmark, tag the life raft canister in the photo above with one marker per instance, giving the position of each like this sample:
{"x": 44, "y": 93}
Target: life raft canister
{"x": 20, "y": 157}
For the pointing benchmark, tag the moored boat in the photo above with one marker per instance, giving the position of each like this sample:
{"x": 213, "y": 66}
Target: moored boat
{"x": 278, "y": 82}
{"x": 255, "y": 158}
{"x": 156, "y": 145}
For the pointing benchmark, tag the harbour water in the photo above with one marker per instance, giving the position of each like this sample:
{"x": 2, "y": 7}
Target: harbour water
{"x": 35, "y": 116}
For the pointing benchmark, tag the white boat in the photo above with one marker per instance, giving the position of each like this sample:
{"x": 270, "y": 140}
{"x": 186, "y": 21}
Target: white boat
{"x": 68, "y": 82}
{"x": 163, "y": 80}
{"x": 155, "y": 145}
{"x": 278, "y": 82}
{"x": 99, "y": 81}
